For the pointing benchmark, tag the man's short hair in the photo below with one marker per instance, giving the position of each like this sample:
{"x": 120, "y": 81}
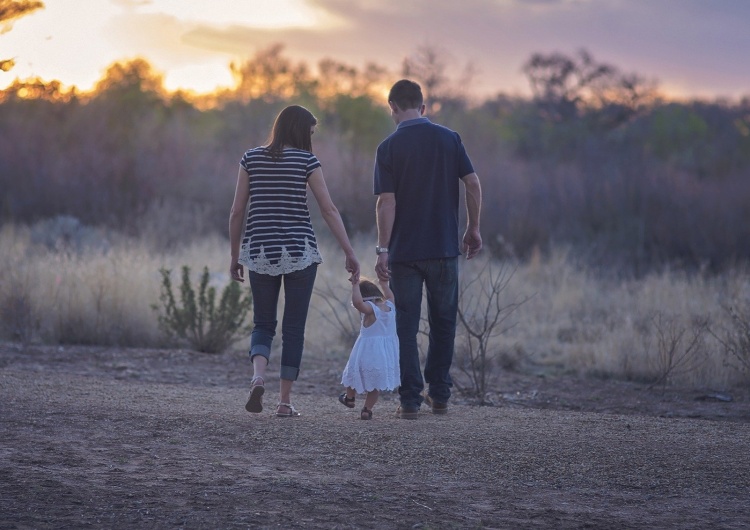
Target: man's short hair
{"x": 406, "y": 95}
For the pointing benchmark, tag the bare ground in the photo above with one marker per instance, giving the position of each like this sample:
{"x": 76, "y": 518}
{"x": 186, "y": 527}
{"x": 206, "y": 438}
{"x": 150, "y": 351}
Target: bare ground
{"x": 113, "y": 438}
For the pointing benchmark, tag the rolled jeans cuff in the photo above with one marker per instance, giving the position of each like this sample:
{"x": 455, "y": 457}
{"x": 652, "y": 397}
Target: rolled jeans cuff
{"x": 290, "y": 373}
{"x": 260, "y": 349}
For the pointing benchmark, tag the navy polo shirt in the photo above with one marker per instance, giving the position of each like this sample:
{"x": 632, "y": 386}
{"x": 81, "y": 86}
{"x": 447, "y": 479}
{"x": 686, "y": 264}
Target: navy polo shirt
{"x": 422, "y": 163}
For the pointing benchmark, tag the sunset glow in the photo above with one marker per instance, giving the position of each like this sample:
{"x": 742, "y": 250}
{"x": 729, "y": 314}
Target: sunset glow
{"x": 252, "y": 13}
{"x": 700, "y": 52}
{"x": 75, "y": 40}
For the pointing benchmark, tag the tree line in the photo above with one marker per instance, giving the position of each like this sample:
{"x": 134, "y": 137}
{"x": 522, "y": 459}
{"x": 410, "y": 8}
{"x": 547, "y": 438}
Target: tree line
{"x": 596, "y": 159}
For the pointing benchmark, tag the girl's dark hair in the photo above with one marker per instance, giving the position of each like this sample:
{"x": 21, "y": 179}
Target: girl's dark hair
{"x": 292, "y": 129}
{"x": 369, "y": 289}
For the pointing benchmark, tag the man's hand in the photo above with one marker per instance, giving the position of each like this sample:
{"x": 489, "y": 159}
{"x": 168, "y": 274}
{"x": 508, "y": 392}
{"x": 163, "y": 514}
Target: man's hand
{"x": 472, "y": 243}
{"x": 381, "y": 267}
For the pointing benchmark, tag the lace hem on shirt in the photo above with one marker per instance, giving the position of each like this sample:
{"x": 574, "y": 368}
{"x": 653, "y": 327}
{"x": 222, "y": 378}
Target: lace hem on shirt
{"x": 286, "y": 263}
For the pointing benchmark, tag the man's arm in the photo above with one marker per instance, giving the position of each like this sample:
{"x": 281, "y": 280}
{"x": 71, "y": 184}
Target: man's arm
{"x": 472, "y": 241}
{"x": 385, "y": 213}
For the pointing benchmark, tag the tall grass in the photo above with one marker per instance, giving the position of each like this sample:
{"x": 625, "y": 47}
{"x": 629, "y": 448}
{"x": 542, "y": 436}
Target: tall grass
{"x": 92, "y": 294}
{"x": 574, "y": 321}
{"x": 581, "y": 322}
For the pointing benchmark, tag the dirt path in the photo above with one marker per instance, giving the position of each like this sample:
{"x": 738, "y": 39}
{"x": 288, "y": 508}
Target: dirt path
{"x": 99, "y": 438}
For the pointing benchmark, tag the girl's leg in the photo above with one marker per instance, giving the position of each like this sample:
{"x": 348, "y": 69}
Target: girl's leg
{"x": 371, "y": 399}
{"x": 348, "y": 397}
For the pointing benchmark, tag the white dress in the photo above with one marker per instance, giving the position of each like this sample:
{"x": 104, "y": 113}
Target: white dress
{"x": 373, "y": 363}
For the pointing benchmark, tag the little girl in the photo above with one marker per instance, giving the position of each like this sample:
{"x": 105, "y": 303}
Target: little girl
{"x": 373, "y": 362}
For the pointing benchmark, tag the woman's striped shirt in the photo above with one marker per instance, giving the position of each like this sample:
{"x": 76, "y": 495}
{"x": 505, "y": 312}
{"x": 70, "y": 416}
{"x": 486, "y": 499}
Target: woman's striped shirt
{"x": 279, "y": 236}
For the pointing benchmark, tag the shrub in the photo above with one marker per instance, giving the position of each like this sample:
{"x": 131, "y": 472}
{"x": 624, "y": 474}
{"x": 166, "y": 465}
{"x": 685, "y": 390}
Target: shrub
{"x": 679, "y": 347}
{"x": 735, "y": 338}
{"x": 18, "y": 317}
{"x": 205, "y": 327}
{"x": 484, "y": 315}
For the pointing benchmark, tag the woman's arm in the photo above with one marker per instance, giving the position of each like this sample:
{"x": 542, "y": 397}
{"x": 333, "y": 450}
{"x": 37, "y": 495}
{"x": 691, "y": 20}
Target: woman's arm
{"x": 236, "y": 222}
{"x": 332, "y": 217}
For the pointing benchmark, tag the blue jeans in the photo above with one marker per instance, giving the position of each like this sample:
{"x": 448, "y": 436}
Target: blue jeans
{"x": 298, "y": 288}
{"x": 440, "y": 280}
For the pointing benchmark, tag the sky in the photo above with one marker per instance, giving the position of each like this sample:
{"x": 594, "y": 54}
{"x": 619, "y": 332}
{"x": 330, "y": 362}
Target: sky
{"x": 692, "y": 48}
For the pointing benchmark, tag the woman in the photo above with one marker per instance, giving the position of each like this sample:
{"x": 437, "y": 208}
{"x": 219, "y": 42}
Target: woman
{"x": 278, "y": 244}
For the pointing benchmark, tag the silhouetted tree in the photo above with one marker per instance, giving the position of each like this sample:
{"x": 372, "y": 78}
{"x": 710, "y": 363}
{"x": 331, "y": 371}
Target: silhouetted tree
{"x": 270, "y": 76}
{"x": 566, "y": 86}
{"x": 336, "y": 78}
{"x": 428, "y": 65}
{"x": 669, "y": 184}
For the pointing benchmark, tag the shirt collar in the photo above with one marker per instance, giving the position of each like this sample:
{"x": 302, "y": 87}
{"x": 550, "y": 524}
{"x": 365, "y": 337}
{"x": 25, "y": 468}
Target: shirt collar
{"x": 413, "y": 121}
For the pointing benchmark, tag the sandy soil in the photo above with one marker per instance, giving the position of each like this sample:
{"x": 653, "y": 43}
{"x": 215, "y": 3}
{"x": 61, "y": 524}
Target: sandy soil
{"x": 112, "y": 438}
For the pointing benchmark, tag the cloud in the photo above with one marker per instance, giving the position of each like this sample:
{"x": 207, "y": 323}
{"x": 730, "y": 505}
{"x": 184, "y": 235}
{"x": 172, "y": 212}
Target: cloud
{"x": 686, "y": 44}
{"x": 131, "y": 4}
{"x": 159, "y": 37}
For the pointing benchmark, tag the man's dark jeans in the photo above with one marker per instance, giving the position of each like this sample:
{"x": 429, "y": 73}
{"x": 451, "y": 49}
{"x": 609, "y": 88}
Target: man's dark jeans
{"x": 440, "y": 280}
{"x": 298, "y": 288}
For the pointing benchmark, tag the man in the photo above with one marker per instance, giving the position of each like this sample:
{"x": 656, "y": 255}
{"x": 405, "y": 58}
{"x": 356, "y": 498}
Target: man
{"x": 417, "y": 173}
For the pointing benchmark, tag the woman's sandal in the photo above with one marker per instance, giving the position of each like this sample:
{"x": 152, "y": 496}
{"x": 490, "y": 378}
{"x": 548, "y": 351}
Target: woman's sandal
{"x": 348, "y": 402}
{"x": 255, "y": 399}
{"x": 291, "y": 414}
{"x": 365, "y": 414}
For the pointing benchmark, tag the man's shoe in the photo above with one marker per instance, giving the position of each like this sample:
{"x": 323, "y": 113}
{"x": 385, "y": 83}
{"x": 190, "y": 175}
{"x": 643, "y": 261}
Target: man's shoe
{"x": 407, "y": 413}
{"x": 437, "y": 407}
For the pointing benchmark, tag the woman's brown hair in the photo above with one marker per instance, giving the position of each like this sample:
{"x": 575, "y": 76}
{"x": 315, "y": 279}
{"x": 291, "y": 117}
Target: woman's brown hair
{"x": 291, "y": 129}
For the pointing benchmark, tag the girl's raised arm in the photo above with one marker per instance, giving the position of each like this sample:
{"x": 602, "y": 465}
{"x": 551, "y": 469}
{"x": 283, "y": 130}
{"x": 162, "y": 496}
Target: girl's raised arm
{"x": 362, "y": 306}
{"x": 386, "y": 290}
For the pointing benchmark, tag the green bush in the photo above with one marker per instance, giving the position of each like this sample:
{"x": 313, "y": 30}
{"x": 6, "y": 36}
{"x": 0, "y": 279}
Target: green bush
{"x": 205, "y": 327}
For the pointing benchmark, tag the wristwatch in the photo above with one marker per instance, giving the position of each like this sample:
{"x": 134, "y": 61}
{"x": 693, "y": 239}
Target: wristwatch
{"x": 381, "y": 250}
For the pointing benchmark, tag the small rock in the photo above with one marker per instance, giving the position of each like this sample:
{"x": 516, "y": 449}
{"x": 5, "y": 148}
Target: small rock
{"x": 715, "y": 396}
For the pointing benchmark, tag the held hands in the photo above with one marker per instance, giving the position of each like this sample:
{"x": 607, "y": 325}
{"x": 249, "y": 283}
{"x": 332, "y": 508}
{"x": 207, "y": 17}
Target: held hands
{"x": 472, "y": 243}
{"x": 352, "y": 267}
{"x": 237, "y": 271}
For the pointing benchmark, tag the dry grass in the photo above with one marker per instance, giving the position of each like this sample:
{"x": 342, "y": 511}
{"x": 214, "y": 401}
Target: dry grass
{"x": 574, "y": 321}
{"x": 93, "y": 295}
{"x": 581, "y": 322}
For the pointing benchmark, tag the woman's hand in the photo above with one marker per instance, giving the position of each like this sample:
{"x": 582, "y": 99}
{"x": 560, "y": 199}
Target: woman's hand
{"x": 237, "y": 271}
{"x": 352, "y": 267}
